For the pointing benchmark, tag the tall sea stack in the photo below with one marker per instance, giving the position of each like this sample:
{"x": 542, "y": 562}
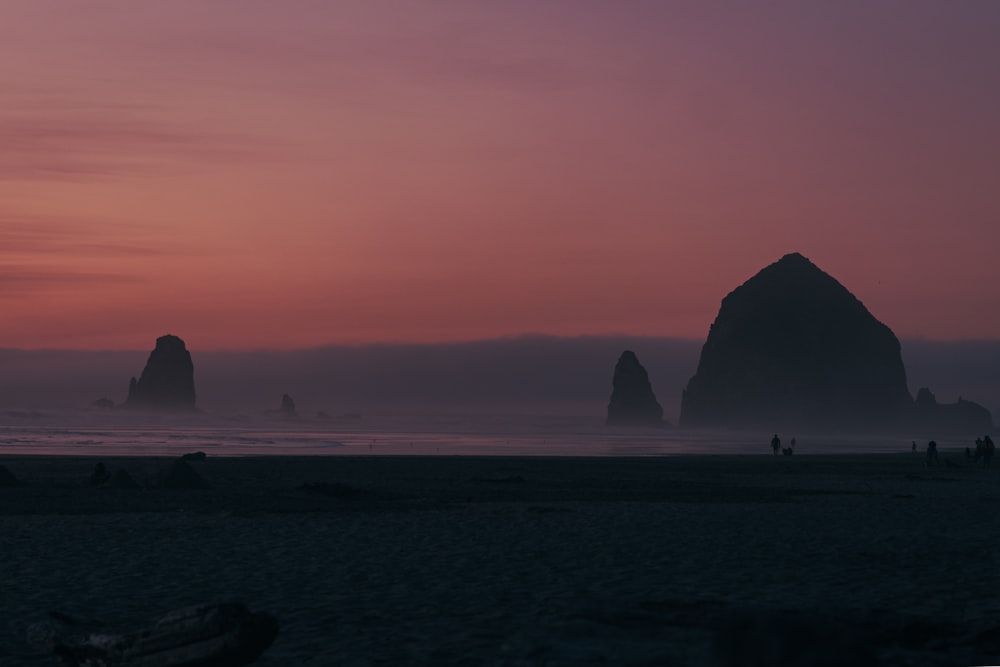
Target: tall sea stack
{"x": 792, "y": 347}
{"x": 167, "y": 381}
{"x": 633, "y": 402}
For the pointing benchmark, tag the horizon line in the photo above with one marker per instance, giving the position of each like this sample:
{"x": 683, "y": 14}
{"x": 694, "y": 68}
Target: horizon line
{"x": 510, "y": 338}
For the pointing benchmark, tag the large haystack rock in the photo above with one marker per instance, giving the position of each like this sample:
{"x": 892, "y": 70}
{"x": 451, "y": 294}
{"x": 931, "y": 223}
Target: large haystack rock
{"x": 792, "y": 347}
{"x": 167, "y": 381}
{"x": 633, "y": 402}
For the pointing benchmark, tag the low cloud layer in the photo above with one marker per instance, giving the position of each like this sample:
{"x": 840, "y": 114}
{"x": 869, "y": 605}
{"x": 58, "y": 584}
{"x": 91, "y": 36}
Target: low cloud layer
{"x": 526, "y": 375}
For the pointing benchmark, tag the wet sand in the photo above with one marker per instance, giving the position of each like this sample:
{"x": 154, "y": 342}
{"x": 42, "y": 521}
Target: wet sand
{"x": 381, "y": 560}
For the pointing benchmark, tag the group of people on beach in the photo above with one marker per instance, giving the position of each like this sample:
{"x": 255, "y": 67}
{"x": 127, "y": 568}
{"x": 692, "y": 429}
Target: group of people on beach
{"x": 776, "y": 446}
{"x": 984, "y": 451}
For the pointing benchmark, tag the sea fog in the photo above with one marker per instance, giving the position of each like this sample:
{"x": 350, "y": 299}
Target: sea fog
{"x": 102, "y": 433}
{"x": 526, "y": 395}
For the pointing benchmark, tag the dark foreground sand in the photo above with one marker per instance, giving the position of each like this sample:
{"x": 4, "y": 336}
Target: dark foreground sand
{"x": 717, "y": 560}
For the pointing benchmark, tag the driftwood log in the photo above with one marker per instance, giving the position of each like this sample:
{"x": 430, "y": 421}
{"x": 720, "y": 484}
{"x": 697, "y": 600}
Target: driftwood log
{"x": 221, "y": 635}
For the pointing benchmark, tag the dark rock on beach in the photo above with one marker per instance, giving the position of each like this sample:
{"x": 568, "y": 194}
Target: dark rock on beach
{"x": 167, "y": 381}
{"x": 793, "y": 347}
{"x": 7, "y": 478}
{"x": 99, "y": 475}
{"x": 122, "y": 480}
{"x": 288, "y": 406}
{"x": 633, "y": 402}
{"x": 182, "y": 476}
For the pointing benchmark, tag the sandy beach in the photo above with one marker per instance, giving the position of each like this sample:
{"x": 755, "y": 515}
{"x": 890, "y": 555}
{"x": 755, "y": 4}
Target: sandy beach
{"x": 389, "y": 560}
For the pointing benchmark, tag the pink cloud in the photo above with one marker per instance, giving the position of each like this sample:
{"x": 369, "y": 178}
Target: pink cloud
{"x": 62, "y": 136}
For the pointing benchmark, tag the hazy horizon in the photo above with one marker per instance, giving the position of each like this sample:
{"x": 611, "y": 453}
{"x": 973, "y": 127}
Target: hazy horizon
{"x": 529, "y": 374}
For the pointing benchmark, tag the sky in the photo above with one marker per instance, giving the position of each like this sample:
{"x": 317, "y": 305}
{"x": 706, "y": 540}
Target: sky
{"x": 250, "y": 174}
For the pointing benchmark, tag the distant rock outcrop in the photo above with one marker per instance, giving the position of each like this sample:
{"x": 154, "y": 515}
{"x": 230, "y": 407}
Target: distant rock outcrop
{"x": 792, "y": 347}
{"x": 961, "y": 418}
{"x": 633, "y": 402}
{"x": 288, "y": 406}
{"x": 167, "y": 381}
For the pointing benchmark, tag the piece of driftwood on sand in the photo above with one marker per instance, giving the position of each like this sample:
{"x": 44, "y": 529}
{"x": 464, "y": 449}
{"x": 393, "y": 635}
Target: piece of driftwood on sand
{"x": 220, "y": 635}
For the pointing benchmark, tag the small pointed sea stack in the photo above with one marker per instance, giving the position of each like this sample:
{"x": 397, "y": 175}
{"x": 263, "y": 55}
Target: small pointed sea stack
{"x": 633, "y": 402}
{"x": 288, "y": 406}
{"x": 167, "y": 381}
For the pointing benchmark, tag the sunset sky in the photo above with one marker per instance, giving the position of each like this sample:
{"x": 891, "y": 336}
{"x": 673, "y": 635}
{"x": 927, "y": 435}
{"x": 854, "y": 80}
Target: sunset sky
{"x": 260, "y": 174}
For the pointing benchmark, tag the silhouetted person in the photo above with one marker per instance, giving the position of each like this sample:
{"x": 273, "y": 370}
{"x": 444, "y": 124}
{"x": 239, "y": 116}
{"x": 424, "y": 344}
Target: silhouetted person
{"x": 987, "y": 451}
{"x": 979, "y": 449}
{"x": 932, "y": 453}
{"x": 793, "y": 444}
{"x": 914, "y": 447}
{"x": 775, "y": 444}
{"x": 968, "y": 454}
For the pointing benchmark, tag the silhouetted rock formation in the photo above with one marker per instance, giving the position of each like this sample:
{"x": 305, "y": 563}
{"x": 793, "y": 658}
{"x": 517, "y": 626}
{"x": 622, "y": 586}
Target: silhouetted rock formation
{"x": 167, "y": 381}
{"x": 793, "y": 347}
{"x": 632, "y": 400}
{"x": 288, "y": 406}
{"x": 104, "y": 403}
{"x": 961, "y": 418}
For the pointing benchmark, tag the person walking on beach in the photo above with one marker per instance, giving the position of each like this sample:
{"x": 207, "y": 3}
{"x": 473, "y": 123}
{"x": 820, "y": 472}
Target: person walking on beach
{"x": 987, "y": 451}
{"x": 932, "y": 455}
{"x": 775, "y": 444}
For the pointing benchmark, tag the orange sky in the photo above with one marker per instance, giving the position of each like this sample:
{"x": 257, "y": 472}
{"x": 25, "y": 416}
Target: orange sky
{"x": 257, "y": 174}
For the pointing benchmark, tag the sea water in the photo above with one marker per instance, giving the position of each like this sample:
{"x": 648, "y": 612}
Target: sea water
{"x": 108, "y": 433}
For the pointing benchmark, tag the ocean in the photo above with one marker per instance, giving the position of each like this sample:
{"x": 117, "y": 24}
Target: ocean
{"x": 101, "y": 433}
